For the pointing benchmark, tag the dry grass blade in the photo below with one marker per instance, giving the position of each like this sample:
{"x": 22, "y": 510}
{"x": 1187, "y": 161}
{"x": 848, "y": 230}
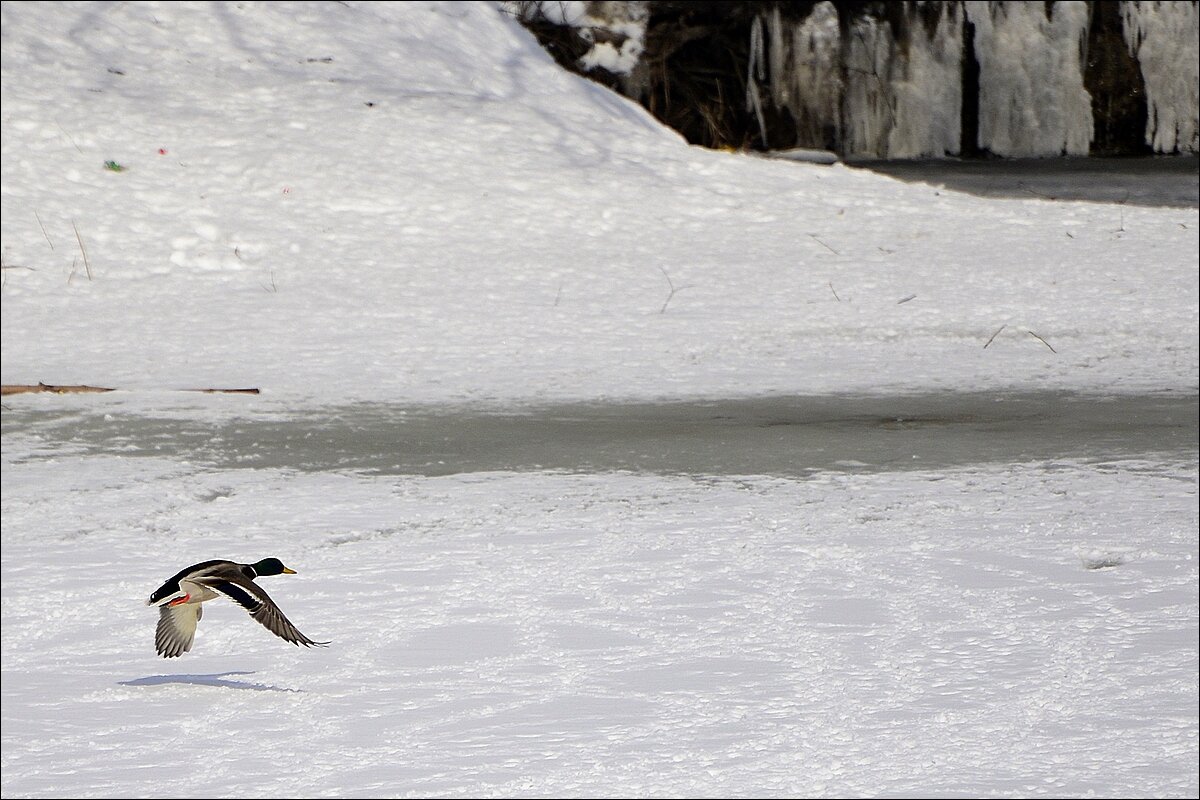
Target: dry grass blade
{"x": 43, "y": 227}
{"x": 1043, "y": 341}
{"x": 87, "y": 266}
{"x": 992, "y": 338}
{"x": 827, "y": 247}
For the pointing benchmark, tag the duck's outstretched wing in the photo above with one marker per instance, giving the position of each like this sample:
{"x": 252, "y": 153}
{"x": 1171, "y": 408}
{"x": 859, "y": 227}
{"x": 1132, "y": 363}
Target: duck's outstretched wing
{"x": 176, "y": 628}
{"x": 250, "y": 596}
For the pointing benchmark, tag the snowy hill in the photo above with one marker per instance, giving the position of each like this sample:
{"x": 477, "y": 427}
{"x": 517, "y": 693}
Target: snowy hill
{"x": 412, "y": 203}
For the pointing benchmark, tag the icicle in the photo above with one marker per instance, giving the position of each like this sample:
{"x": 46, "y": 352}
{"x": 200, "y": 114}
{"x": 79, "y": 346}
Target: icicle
{"x": 925, "y": 89}
{"x": 867, "y": 107}
{"x": 778, "y": 55}
{"x": 1032, "y": 101}
{"x": 757, "y": 61}
{"x": 815, "y": 89}
{"x": 1164, "y": 38}
{"x": 755, "y": 73}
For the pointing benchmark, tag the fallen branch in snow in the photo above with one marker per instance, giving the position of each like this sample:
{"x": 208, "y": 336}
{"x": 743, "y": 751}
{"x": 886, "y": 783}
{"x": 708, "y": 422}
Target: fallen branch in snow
{"x": 19, "y": 388}
{"x": 1043, "y": 341}
{"x": 994, "y": 335}
{"x": 10, "y": 388}
{"x": 835, "y": 294}
{"x": 225, "y": 391}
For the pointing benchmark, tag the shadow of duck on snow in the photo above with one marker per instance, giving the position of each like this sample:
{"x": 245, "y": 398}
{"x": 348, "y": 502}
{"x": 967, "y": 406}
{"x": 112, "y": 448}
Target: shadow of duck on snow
{"x": 218, "y": 679}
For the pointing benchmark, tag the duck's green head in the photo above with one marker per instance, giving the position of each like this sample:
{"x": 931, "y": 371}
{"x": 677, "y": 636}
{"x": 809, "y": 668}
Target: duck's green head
{"x": 271, "y": 566}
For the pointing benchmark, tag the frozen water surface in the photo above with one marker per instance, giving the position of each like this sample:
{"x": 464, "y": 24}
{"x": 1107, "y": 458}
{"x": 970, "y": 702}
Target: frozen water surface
{"x": 1172, "y": 181}
{"x": 784, "y": 436}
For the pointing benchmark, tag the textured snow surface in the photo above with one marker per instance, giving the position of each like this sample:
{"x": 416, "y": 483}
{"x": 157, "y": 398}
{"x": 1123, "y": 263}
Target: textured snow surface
{"x": 553, "y": 634}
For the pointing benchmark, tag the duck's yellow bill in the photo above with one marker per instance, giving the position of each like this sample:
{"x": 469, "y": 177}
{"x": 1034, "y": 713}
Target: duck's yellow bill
{"x": 287, "y": 571}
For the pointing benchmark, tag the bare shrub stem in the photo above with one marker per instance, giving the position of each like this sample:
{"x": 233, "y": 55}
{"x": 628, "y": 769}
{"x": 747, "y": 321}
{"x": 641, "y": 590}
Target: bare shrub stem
{"x": 1043, "y": 341}
{"x": 827, "y": 247}
{"x": 43, "y": 227}
{"x": 87, "y": 266}
{"x": 674, "y": 290}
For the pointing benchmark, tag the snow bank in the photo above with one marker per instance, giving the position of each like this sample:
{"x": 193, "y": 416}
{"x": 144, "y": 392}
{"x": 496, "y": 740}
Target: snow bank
{"x": 413, "y": 203}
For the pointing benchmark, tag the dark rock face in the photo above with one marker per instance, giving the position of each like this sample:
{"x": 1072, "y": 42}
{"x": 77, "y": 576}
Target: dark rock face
{"x": 897, "y": 79}
{"x": 1115, "y": 83}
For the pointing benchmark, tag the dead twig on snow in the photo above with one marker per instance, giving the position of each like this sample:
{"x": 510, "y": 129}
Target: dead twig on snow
{"x": 1043, "y": 341}
{"x": 674, "y": 290}
{"x": 87, "y": 266}
{"x": 827, "y": 247}
{"x": 17, "y": 388}
{"x": 21, "y": 388}
{"x": 43, "y": 227}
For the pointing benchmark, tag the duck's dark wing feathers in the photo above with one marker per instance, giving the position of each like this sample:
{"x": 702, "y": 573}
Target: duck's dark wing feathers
{"x": 250, "y": 596}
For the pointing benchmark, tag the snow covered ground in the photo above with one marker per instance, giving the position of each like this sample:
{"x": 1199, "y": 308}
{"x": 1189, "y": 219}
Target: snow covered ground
{"x": 410, "y": 204}
{"x": 621, "y": 634}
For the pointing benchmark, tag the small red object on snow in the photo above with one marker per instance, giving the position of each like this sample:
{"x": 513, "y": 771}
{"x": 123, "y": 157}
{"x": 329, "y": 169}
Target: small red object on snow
{"x": 162, "y": 151}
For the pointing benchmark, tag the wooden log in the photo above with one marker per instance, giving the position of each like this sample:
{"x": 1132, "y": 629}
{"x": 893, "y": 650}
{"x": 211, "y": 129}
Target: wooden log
{"x": 19, "y": 388}
{"x": 14, "y": 388}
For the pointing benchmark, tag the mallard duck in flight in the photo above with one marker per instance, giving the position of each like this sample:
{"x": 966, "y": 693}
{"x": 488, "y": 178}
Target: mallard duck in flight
{"x": 179, "y": 601}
